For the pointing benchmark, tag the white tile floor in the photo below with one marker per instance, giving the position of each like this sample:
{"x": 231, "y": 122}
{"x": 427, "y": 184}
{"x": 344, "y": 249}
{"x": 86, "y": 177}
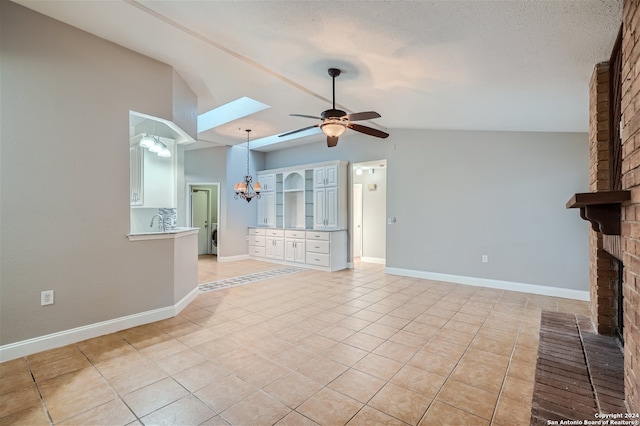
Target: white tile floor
{"x": 352, "y": 347}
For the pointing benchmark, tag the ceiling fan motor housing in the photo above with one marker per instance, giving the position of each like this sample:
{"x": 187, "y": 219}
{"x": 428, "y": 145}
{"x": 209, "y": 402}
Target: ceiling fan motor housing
{"x": 333, "y": 113}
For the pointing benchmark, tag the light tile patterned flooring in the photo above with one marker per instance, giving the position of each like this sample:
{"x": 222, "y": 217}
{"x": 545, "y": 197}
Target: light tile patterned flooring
{"x": 356, "y": 347}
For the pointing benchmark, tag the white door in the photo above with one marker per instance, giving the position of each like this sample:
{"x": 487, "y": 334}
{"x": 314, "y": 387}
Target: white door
{"x": 200, "y": 218}
{"x": 357, "y": 220}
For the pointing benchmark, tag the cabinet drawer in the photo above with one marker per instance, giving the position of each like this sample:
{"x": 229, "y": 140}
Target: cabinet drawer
{"x": 318, "y": 246}
{"x": 256, "y": 251}
{"x": 294, "y": 234}
{"x": 318, "y": 259}
{"x": 257, "y": 241}
{"x": 274, "y": 232}
{"x": 256, "y": 231}
{"x": 324, "y": 236}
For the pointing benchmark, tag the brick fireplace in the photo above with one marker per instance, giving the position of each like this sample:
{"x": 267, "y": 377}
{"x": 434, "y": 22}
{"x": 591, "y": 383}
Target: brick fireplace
{"x": 609, "y": 253}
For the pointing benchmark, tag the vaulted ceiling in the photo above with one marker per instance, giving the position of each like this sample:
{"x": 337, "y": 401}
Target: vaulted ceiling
{"x": 471, "y": 65}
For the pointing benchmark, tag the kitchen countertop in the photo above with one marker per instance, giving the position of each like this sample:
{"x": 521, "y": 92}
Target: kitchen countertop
{"x": 159, "y": 235}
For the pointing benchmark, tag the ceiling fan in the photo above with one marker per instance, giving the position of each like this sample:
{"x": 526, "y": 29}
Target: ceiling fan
{"x": 335, "y": 121}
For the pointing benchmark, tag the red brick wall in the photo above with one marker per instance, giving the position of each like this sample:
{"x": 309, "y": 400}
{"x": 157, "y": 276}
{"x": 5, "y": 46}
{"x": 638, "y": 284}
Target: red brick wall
{"x": 603, "y": 277}
{"x": 631, "y": 211}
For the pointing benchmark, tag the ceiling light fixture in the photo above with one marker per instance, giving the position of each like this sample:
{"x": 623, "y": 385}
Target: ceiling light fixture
{"x": 147, "y": 141}
{"x": 156, "y": 147}
{"x": 246, "y": 189}
{"x": 153, "y": 144}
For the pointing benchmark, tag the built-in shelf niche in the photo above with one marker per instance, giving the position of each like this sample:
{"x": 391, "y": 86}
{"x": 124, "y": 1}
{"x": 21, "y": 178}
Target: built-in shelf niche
{"x": 298, "y": 199}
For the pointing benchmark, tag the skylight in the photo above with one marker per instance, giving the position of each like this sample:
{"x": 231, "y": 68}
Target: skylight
{"x": 271, "y": 140}
{"x": 229, "y": 112}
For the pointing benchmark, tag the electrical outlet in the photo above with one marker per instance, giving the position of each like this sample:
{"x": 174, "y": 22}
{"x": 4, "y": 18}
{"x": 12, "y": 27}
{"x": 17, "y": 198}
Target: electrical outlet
{"x": 485, "y": 258}
{"x": 46, "y": 297}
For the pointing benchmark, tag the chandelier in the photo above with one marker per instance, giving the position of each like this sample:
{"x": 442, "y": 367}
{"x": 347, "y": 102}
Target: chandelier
{"x": 246, "y": 189}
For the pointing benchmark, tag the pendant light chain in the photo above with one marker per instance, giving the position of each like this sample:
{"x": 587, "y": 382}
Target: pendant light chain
{"x": 247, "y": 190}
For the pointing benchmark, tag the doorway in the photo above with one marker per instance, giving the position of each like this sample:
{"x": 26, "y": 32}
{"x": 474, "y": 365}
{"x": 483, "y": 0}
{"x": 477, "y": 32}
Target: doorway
{"x": 357, "y": 221}
{"x": 369, "y": 211}
{"x": 203, "y": 204}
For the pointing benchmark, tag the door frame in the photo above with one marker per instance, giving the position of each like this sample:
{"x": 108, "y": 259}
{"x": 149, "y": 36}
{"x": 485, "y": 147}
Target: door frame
{"x": 365, "y": 165}
{"x": 208, "y": 215}
{"x": 357, "y": 201}
{"x": 188, "y": 217}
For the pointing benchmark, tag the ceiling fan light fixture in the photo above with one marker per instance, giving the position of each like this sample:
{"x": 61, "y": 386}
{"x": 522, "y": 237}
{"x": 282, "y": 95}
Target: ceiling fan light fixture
{"x": 333, "y": 127}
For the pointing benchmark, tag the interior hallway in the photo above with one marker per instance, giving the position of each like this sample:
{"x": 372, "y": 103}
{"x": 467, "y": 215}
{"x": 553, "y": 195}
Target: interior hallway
{"x": 351, "y": 347}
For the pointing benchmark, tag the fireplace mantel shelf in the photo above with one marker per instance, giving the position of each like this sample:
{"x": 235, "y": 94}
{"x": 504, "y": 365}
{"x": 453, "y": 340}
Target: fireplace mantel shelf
{"x": 602, "y": 209}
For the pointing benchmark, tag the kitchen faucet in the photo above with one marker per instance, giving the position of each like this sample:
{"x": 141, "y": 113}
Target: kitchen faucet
{"x": 161, "y": 224}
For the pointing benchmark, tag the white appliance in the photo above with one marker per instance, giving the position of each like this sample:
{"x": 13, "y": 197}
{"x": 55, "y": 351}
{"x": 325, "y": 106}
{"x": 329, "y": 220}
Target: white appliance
{"x": 214, "y": 238}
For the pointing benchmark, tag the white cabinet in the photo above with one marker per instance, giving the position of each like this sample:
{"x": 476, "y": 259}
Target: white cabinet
{"x": 325, "y": 176}
{"x": 322, "y": 250}
{"x": 274, "y": 244}
{"x": 330, "y": 196}
{"x": 297, "y": 200}
{"x": 325, "y": 205}
{"x": 267, "y": 181}
{"x": 294, "y": 246}
{"x": 274, "y": 248}
{"x": 326, "y": 250}
{"x": 257, "y": 242}
{"x": 267, "y": 209}
{"x": 270, "y": 201}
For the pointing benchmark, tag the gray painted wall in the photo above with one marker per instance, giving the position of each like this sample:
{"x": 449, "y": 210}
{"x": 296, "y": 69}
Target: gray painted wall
{"x": 226, "y": 165}
{"x": 64, "y": 173}
{"x": 460, "y": 194}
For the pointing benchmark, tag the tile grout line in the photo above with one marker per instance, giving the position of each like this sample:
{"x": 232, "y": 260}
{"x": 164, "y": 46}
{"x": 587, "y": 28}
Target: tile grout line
{"x": 42, "y": 401}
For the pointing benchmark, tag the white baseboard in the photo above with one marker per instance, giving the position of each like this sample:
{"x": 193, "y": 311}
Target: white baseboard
{"x": 78, "y": 334}
{"x": 486, "y": 282}
{"x": 378, "y": 260}
{"x": 233, "y": 258}
{"x": 188, "y": 298}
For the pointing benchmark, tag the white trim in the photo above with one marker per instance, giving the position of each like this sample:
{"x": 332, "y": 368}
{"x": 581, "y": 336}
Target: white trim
{"x": 188, "y": 298}
{"x": 78, "y": 334}
{"x": 233, "y": 258}
{"x": 378, "y": 260}
{"x": 490, "y": 283}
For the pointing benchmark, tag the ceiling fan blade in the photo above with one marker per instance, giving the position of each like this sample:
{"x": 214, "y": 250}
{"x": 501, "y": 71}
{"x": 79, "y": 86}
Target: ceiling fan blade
{"x": 332, "y": 141}
{"x": 299, "y": 130}
{"x": 366, "y": 115}
{"x": 368, "y": 130}
{"x": 305, "y": 116}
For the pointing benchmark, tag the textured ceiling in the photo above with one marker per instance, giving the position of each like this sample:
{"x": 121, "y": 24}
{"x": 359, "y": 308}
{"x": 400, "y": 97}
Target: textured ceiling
{"x": 470, "y": 65}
